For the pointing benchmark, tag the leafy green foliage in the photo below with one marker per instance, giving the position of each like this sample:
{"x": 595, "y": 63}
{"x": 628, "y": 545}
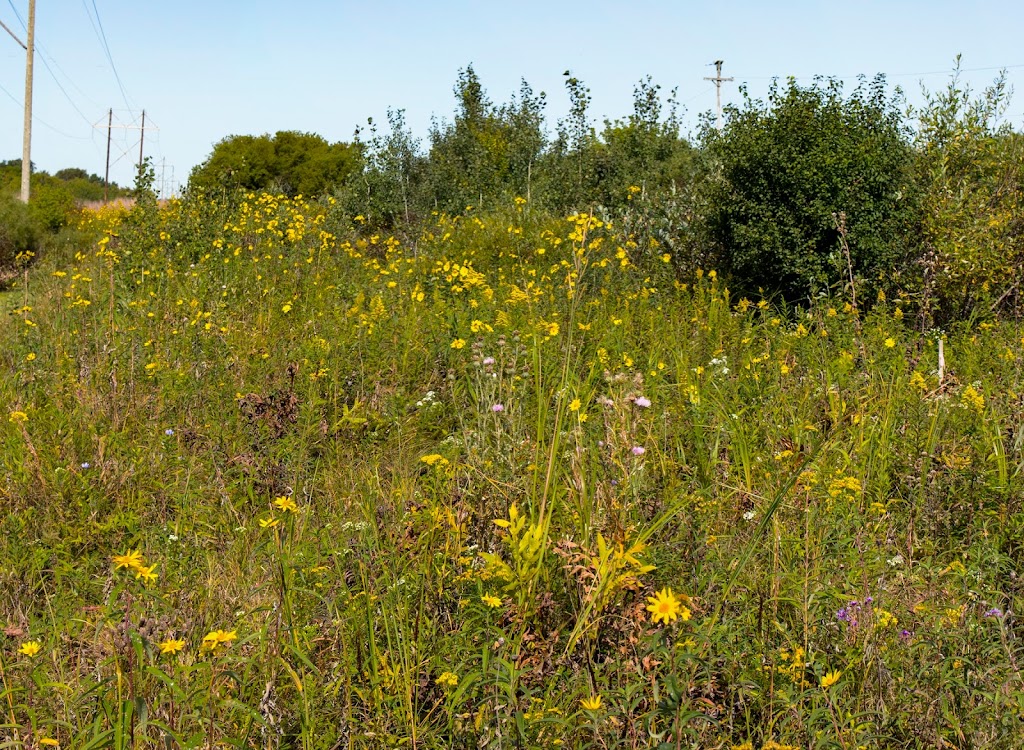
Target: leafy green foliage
{"x": 783, "y": 173}
{"x": 292, "y": 162}
{"x": 19, "y": 237}
{"x": 487, "y": 151}
{"x": 972, "y": 171}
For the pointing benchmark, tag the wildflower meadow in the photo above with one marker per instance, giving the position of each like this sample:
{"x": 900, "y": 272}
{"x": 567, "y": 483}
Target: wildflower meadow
{"x": 274, "y": 478}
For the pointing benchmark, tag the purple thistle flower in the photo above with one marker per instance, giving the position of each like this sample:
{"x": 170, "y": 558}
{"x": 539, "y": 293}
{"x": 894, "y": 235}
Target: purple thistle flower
{"x": 642, "y": 401}
{"x": 498, "y": 407}
{"x": 488, "y": 360}
{"x": 638, "y": 450}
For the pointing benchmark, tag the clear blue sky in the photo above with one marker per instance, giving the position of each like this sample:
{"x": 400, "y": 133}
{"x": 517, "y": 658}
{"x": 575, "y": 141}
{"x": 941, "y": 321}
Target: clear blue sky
{"x": 206, "y": 70}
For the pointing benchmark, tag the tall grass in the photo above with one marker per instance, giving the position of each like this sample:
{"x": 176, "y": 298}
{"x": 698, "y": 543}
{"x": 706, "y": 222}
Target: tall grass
{"x": 428, "y": 496}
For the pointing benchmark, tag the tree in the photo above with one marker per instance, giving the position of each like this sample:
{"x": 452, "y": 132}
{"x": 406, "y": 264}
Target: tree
{"x": 290, "y": 161}
{"x": 487, "y": 151}
{"x": 972, "y": 171}
{"x": 798, "y": 180}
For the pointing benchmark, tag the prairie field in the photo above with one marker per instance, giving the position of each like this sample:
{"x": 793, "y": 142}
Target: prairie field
{"x": 272, "y": 478}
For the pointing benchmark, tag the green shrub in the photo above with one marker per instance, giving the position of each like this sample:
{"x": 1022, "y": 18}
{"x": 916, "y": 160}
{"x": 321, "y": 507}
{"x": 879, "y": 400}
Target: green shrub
{"x": 19, "y": 237}
{"x": 782, "y": 174}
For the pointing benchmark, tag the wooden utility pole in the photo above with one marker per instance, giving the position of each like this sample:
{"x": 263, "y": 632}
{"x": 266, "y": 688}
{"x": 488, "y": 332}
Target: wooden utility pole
{"x": 142, "y": 137}
{"x": 718, "y": 89}
{"x": 106, "y": 175}
{"x": 26, "y": 144}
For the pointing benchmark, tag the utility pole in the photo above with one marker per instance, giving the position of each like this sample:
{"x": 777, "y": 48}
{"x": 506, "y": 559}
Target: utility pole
{"x": 142, "y": 137}
{"x": 26, "y": 144}
{"x": 106, "y": 174}
{"x": 123, "y": 151}
{"x": 718, "y": 89}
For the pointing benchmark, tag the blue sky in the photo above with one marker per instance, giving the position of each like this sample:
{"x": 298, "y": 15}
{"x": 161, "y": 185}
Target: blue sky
{"x": 206, "y": 70}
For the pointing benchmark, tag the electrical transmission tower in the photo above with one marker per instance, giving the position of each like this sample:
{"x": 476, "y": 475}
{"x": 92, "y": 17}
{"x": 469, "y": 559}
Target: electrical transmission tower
{"x": 142, "y": 126}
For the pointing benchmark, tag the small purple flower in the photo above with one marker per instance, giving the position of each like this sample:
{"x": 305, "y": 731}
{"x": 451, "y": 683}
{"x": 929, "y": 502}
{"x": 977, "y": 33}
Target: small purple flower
{"x": 615, "y": 483}
{"x": 994, "y": 612}
{"x": 638, "y": 450}
{"x": 905, "y": 634}
{"x": 843, "y": 615}
{"x": 869, "y": 600}
{"x": 86, "y": 465}
{"x": 642, "y": 401}
{"x": 168, "y": 432}
{"x": 498, "y": 407}
{"x": 488, "y": 360}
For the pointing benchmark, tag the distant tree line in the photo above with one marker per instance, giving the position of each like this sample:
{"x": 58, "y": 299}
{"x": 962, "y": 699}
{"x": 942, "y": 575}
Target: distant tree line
{"x": 812, "y": 190}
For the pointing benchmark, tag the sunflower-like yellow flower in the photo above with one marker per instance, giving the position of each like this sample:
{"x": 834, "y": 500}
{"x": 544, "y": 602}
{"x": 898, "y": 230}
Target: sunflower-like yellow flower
{"x": 593, "y": 703}
{"x": 131, "y": 559}
{"x": 172, "y": 646}
{"x": 491, "y": 600}
{"x": 30, "y": 648}
{"x": 146, "y": 572}
{"x": 830, "y": 679}
{"x": 286, "y": 504}
{"x": 216, "y": 638}
{"x": 666, "y": 607}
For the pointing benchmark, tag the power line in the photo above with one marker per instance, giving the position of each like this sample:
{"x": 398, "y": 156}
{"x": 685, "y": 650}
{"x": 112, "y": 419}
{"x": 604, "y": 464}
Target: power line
{"x": 106, "y": 48}
{"x": 887, "y": 75}
{"x": 36, "y": 118}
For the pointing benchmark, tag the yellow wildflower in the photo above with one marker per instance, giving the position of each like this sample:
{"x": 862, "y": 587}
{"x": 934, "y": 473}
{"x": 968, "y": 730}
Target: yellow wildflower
{"x": 30, "y": 648}
{"x": 147, "y": 574}
{"x": 18, "y": 417}
{"x": 131, "y": 559}
{"x": 830, "y": 679}
{"x": 172, "y": 646}
{"x": 216, "y": 638}
{"x": 490, "y": 600}
{"x": 286, "y": 504}
{"x": 593, "y": 703}
{"x": 666, "y": 607}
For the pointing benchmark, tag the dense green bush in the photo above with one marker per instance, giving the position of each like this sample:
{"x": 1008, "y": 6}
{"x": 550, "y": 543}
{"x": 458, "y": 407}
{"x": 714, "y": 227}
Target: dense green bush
{"x": 19, "y": 237}
{"x": 291, "y": 162}
{"x": 795, "y": 181}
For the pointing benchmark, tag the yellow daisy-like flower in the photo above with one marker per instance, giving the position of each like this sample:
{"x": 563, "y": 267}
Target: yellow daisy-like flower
{"x": 491, "y": 600}
{"x": 18, "y": 417}
{"x": 146, "y": 573}
{"x": 458, "y": 343}
{"x": 131, "y": 559}
{"x": 269, "y": 523}
{"x": 286, "y": 504}
{"x": 666, "y": 607}
{"x": 593, "y": 703}
{"x": 830, "y": 679}
{"x": 216, "y": 638}
{"x": 172, "y": 646}
{"x": 30, "y": 648}
{"x": 575, "y": 405}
